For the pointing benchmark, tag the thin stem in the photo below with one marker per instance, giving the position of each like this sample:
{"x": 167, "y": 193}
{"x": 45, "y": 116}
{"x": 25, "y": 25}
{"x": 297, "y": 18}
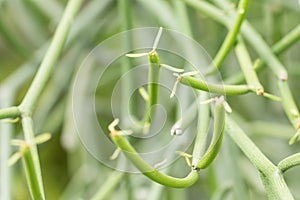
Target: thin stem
{"x": 247, "y": 66}
{"x": 11, "y": 39}
{"x": 247, "y": 31}
{"x": 202, "y": 128}
{"x": 289, "y": 104}
{"x": 51, "y": 56}
{"x": 31, "y": 160}
{"x": 262, "y": 49}
{"x": 271, "y": 175}
{"x": 283, "y": 44}
{"x": 216, "y": 141}
{"x": 33, "y": 170}
{"x": 125, "y": 17}
{"x": 6, "y": 131}
{"x": 215, "y": 88}
{"x": 230, "y": 37}
{"x": 260, "y": 161}
{"x": 150, "y": 171}
{"x": 287, "y": 41}
{"x": 258, "y": 43}
{"x": 289, "y": 162}
{"x": 153, "y": 85}
{"x": 11, "y": 112}
{"x": 110, "y": 184}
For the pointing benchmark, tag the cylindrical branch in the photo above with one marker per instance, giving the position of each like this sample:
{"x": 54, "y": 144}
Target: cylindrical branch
{"x": 231, "y": 36}
{"x": 215, "y": 88}
{"x": 153, "y": 85}
{"x": 11, "y": 112}
{"x": 283, "y": 44}
{"x": 218, "y": 132}
{"x": 290, "y": 108}
{"x": 202, "y": 128}
{"x": 32, "y": 163}
{"x": 247, "y": 66}
{"x": 271, "y": 176}
{"x": 148, "y": 170}
{"x": 289, "y": 162}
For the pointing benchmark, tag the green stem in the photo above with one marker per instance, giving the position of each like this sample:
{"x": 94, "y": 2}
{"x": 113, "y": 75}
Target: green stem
{"x": 110, "y": 184}
{"x": 202, "y": 128}
{"x": 258, "y": 43}
{"x": 271, "y": 175}
{"x": 262, "y": 49}
{"x": 6, "y": 132}
{"x": 289, "y": 104}
{"x": 231, "y": 36}
{"x": 283, "y": 44}
{"x": 287, "y": 41}
{"x": 247, "y": 31}
{"x": 247, "y": 66}
{"x": 51, "y": 56}
{"x": 11, "y": 39}
{"x": 11, "y": 112}
{"x": 153, "y": 85}
{"x": 34, "y": 177}
{"x": 216, "y": 141}
{"x": 260, "y": 161}
{"x": 215, "y": 88}
{"x": 32, "y": 163}
{"x": 289, "y": 162}
{"x": 150, "y": 171}
{"x": 126, "y": 24}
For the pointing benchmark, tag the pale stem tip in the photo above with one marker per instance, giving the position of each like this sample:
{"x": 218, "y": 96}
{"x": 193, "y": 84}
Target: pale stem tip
{"x": 136, "y": 55}
{"x": 157, "y": 38}
{"x": 144, "y": 93}
{"x": 174, "y": 89}
{"x": 115, "y": 154}
{"x": 111, "y": 126}
{"x": 173, "y": 69}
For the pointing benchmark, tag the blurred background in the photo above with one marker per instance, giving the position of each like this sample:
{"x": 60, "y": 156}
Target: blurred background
{"x": 69, "y": 170}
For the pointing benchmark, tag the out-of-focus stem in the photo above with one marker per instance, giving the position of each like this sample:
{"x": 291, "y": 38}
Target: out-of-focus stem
{"x": 230, "y": 37}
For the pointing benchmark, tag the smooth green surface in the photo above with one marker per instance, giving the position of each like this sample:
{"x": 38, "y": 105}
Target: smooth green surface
{"x": 215, "y": 88}
{"x": 150, "y": 171}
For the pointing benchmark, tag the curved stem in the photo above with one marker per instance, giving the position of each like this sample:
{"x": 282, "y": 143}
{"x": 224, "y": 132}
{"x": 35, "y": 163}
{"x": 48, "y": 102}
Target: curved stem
{"x": 150, "y": 171}
{"x": 216, "y": 141}
{"x": 215, "y": 88}
{"x": 264, "y": 51}
{"x": 289, "y": 162}
{"x": 231, "y": 36}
